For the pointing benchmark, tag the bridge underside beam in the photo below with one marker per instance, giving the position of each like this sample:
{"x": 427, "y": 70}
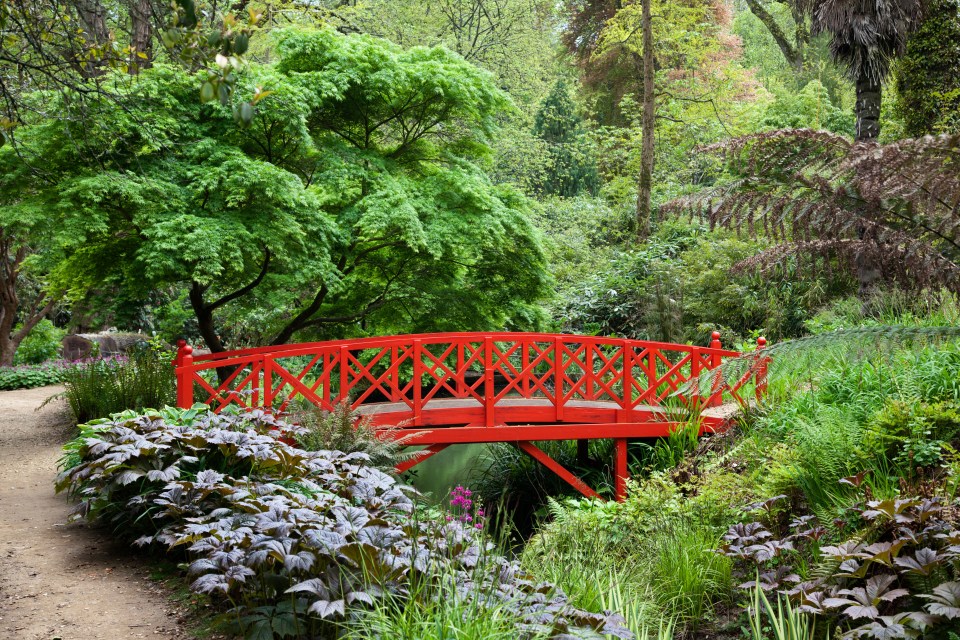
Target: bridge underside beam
{"x": 517, "y": 433}
{"x": 540, "y": 456}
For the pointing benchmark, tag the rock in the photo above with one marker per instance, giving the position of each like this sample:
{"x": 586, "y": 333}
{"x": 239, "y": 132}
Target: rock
{"x": 79, "y": 346}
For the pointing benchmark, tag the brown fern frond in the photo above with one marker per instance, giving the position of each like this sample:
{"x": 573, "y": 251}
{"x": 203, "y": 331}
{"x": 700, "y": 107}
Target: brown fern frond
{"x": 827, "y": 202}
{"x": 784, "y": 152}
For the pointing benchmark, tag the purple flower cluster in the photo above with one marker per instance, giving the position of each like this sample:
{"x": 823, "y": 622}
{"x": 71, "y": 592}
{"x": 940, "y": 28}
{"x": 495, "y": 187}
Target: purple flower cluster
{"x": 464, "y": 508}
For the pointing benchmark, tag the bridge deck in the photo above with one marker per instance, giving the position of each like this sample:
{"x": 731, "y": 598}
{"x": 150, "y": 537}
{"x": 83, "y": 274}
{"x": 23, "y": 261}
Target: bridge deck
{"x": 461, "y": 420}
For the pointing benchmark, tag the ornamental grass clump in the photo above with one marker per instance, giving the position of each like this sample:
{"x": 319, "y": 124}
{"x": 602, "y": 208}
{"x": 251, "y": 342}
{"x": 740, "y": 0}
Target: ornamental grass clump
{"x": 288, "y": 542}
{"x": 99, "y": 388}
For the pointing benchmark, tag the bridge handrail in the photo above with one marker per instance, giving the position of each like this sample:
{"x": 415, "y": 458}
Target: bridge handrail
{"x": 254, "y": 371}
{"x": 375, "y": 341}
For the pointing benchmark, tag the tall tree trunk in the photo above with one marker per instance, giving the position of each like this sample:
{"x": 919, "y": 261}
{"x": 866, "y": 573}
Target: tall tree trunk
{"x": 868, "y": 130}
{"x": 8, "y": 348}
{"x": 93, "y": 15}
{"x": 645, "y": 182}
{"x": 868, "y": 107}
{"x": 141, "y": 13}
{"x": 10, "y": 302}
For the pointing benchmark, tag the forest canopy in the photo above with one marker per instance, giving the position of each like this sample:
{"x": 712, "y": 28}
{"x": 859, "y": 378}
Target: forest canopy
{"x": 282, "y": 171}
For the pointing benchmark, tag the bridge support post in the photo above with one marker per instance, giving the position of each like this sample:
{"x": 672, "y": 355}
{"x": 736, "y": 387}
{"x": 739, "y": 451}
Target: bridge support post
{"x": 620, "y": 468}
{"x": 716, "y": 389}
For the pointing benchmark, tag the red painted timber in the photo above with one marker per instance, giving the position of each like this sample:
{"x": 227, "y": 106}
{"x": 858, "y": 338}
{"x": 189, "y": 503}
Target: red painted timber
{"x": 451, "y": 388}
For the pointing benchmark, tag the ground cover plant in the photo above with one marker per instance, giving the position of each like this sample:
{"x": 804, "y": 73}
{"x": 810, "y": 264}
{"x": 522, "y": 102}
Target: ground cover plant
{"x": 48, "y": 372}
{"x": 28, "y": 376}
{"x": 291, "y": 543}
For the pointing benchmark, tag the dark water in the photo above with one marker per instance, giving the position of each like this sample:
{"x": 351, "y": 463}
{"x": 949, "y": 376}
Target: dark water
{"x": 457, "y": 464}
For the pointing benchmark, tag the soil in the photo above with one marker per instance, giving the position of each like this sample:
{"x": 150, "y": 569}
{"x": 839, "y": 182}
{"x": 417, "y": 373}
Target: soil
{"x": 60, "y": 580}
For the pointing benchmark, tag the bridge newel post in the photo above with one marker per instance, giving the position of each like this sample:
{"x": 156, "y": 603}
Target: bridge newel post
{"x": 715, "y": 361}
{"x": 626, "y": 381}
{"x": 760, "y": 387}
{"x": 184, "y": 373}
{"x": 461, "y": 372}
{"x": 524, "y": 365}
{"x": 695, "y": 366}
{"x": 417, "y": 382}
{"x": 267, "y": 372}
{"x": 588, "y": 372}
{"x": 489, "y": 389}
{"x": 342, "y": 392}
{"x": 395, "y": 378}
{"x": 558, "y": 378}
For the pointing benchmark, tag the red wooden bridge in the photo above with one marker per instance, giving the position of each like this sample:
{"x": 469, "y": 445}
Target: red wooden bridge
{"x": 454, "y": 388}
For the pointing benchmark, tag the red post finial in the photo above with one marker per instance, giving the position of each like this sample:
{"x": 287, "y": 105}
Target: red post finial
{"x": 761, "y": 342}
{"x": 178, "y": 356}
{"x": 715, "y": 340}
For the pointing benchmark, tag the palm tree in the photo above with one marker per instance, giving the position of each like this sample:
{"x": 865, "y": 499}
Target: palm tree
{"x": 865, "y": 36}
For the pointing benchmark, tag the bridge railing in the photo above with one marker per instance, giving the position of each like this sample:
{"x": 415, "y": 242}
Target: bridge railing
{"x": 412, "y": 371}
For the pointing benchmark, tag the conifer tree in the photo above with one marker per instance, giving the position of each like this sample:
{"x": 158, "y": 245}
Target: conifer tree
{"x": 557, "y": 123}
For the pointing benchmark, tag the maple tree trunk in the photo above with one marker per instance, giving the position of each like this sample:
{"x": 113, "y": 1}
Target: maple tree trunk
{"x": 10, "y": 302}
{"x": 645, "y": 182}
{"x": 8, "y": 348}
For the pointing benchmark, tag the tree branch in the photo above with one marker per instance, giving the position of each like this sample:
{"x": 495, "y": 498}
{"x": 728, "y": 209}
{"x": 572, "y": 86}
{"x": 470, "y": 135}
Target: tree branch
{"x": 789, "y": 50}
{"x": 245, "y": 289}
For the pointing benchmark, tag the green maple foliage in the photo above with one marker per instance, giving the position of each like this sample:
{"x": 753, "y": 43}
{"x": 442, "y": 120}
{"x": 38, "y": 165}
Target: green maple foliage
{"x": 356, "y": 200}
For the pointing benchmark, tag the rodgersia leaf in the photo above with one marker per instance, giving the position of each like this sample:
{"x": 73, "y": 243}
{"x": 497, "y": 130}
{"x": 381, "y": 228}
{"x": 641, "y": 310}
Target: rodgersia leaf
{"x": 164, "y": 475}
{"x": 211, "y": 583}
{"x": 945, "y": 600}
{"x": 328, "y": 609}
{"x": 314, "y": 586}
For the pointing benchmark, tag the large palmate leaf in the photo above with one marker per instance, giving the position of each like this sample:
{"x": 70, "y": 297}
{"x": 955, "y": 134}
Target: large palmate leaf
{"x": 945, "y": 600}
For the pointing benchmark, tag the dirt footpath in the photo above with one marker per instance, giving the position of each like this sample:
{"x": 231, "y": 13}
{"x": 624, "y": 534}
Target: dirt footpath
{"x": 58, "y": 580}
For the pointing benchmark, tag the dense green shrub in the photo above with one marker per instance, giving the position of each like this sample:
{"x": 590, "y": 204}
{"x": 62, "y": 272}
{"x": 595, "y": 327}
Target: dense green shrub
{"x": 682, "y": 284}
{"x": 40, "y": 345}
{"x": 810, "y": 108}
{"x": 103, "y": 387}
{"x": 928, "y": 76}
{"x": 286, "y": 539}
{"x": 29, "y": 376}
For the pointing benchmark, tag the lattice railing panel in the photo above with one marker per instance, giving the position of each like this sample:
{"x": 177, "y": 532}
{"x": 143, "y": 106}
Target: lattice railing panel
{"x": 414, "y": 371}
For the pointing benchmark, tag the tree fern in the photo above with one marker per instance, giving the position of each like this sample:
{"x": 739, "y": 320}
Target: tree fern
{"x": 829, "y": 203}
